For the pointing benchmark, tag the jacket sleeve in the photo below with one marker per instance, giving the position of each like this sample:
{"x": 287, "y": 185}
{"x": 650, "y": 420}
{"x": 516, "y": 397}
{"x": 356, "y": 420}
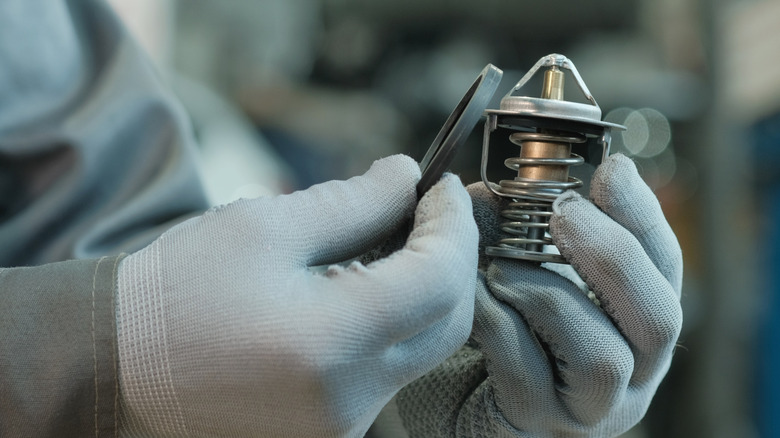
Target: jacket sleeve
{"x": 58, "y": 374}
{"x": 96, "y": 156}
{"x": 96, "y": 159}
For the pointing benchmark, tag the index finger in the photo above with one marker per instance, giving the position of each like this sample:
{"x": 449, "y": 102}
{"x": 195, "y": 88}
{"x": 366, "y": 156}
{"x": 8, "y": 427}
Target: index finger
{"x": 620, "y": 192}
{"x": 634, "y": 293}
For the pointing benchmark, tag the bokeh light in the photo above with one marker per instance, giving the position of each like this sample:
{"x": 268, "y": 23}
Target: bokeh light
{"x": 647, "y": 133}
{"x": 647, "y": 140}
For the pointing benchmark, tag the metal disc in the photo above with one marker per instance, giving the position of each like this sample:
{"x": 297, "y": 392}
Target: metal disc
{"x": 458, "y": 127}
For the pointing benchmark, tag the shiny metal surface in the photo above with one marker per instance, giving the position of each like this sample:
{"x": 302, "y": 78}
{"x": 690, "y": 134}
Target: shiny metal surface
{"x": 555, "y": 61}
{"x": 547, "y": 127}
{"x": 457, "y": 127}
{"x": 549, "y": 149}
{"x": 533, "y": 256}
{"x": 553, "y": 84}
{"x": 559, "y": 109}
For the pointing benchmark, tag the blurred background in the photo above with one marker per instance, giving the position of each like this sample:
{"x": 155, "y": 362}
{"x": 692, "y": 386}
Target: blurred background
{"x": 287, "y": 93}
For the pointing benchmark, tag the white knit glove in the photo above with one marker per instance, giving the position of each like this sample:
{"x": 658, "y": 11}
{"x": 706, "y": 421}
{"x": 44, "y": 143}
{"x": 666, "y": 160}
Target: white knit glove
{"x": 544, "y": 360}
{"x": 223, "y": 330}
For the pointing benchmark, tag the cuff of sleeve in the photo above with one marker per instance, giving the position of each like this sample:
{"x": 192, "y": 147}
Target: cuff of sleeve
{"x": 59, "y": 336}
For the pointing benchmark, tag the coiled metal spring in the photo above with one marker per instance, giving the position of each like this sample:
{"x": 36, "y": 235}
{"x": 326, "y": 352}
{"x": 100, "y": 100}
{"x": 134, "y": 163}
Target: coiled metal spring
{"x": 543, "y": 174}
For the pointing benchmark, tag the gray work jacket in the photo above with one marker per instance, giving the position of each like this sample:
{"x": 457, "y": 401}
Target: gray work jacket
{"x": 96, "y": 159}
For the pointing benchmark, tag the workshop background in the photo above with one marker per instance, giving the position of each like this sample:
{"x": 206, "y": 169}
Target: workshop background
{"x": 287, "y": 93}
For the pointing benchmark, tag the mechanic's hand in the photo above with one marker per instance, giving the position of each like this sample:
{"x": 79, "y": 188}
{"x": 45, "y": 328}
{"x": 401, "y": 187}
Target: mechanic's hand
{"x": 545, "y": 360}
{"x": 223, "y": 329}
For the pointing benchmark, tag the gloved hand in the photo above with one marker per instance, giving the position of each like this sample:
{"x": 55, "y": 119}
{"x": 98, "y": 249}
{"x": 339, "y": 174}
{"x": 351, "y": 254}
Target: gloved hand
{"x": 546, "y": 361}
{"x": 223, "y": 330}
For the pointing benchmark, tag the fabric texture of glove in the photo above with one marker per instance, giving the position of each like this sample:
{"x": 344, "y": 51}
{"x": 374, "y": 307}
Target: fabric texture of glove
{"x": 224, "y": 330}
{"x": 544, "y": 360}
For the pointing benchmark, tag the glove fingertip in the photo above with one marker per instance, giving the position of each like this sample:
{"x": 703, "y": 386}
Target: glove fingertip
{"x": 572, "y": 218}
{"x": 615, "y": 164}
{"x": 619, "y": 191}
{"x": 449, "y": 187}
{"x": 398, "y": 166}
{"x": 478, "y": 189}
{"x": 616, "y": 174}
{"x": 451, "y": 178}
{"x": 564, "y": 201}
{"x": 486, "y": 204}
{"x": 445, "y": 210}
{"x": 444, "y": 225}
